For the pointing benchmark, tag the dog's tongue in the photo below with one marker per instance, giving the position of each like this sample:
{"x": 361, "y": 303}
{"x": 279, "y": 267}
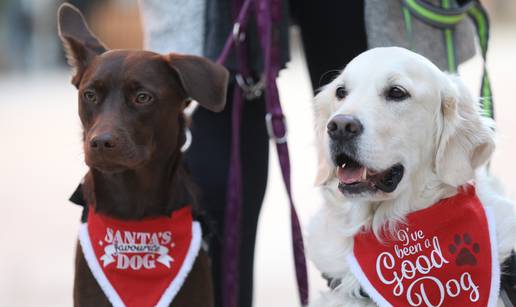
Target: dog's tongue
{"x": 348, "y": 175}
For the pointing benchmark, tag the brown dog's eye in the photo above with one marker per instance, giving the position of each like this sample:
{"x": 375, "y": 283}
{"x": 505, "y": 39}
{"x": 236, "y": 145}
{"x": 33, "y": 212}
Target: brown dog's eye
{"x": 143, "y": 98}
{"x": 341, "y": 92}
{"x": 397, "y": 93}
{"x": 90, "y": 96}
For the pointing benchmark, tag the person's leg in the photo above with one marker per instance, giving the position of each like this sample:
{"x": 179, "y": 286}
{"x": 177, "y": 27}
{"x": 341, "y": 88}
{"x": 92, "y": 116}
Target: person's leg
{"x": 255, "y": 160}
{"x": 208, "y": 159}
{"x": 333, "y": 33}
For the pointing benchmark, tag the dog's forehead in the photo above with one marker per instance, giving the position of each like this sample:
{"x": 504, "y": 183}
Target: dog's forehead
{"x": 120, "y": 65}
{"x": 385, "y": 62}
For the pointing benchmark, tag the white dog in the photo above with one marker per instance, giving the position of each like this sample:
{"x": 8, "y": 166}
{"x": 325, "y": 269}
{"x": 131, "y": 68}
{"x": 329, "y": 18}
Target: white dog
{"x": 396, "y": 136}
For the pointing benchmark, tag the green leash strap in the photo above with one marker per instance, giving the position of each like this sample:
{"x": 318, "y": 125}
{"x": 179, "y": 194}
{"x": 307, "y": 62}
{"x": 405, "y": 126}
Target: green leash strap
{"x": 439, "y": 17}
{"x": 448, "y": 36}
{"x": 446, "y": 18}
{"x": 480, "y": 19}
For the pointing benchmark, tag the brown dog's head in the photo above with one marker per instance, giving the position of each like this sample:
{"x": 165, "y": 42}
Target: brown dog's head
{"x": 131, "y": 102}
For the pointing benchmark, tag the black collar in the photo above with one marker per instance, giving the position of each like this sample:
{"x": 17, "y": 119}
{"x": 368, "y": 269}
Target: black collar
{"x": 78, "y": 198}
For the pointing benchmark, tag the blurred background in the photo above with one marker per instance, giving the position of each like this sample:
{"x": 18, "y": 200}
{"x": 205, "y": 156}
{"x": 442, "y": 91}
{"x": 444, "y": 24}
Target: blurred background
{"x": 41, "y": 158}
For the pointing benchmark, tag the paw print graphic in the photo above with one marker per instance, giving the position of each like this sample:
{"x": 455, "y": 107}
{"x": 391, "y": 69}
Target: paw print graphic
{"x": 464, "y": 249}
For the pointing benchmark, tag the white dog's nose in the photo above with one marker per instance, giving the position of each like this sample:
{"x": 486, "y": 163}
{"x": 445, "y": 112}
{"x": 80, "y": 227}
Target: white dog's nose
{"x": 344, "y": 127}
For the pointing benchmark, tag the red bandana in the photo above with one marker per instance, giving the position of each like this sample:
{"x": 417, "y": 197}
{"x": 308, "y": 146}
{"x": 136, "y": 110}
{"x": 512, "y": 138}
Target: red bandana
{"x": 445, "y": 255}
{"x": 140, "y": 263}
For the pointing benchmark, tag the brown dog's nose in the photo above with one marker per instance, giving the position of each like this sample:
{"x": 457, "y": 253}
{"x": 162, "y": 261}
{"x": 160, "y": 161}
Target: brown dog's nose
{"x": 344, "y": 127}
{"x": 103, "y": 141}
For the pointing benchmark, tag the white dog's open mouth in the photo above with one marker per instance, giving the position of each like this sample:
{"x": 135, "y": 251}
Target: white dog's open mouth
{"x": 356, "y": 178}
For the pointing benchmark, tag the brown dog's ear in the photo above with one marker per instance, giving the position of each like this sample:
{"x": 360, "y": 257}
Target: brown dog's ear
{"x": 203, "y": 80}
{"x": 80, "y": 45}
{"x": 466, "y": 139}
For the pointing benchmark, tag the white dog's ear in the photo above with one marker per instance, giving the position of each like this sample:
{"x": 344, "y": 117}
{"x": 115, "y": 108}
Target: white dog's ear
{"x": 465, "y": 138}
{"x": 322, "y": 110}
{"x": 324, "y": 169}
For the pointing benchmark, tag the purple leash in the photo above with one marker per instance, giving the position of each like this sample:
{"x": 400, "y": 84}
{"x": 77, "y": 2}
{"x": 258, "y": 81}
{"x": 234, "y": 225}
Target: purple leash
{"x": 231, "y": 252}
{"x": 268, "y": 12}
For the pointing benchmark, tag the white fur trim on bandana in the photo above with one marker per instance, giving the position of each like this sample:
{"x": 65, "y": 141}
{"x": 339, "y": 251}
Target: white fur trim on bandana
{"x": 495, "y": 265}
{"x": 96, "y": 270}
{"x": 364, "y": 282}
{"x": 193, "y": 251}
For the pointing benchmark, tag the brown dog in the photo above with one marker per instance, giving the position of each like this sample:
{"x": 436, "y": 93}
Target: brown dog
{"x": 131, "y": 108}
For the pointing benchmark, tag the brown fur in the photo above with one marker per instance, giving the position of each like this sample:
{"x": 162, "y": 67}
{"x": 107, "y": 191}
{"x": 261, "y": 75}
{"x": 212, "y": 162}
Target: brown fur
{"x": 131, "y": 144}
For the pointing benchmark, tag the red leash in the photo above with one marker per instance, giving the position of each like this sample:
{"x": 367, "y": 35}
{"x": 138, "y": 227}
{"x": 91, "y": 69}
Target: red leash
{"x": 267, "y": 16}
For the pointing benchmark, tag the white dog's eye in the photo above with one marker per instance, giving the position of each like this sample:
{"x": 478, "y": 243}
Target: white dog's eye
{"x": 341, "y": 92}
{"x": 397, "y": 93}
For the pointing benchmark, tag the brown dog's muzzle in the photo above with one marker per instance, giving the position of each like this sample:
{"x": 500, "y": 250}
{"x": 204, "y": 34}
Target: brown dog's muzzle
{"x": 109, "y": 149}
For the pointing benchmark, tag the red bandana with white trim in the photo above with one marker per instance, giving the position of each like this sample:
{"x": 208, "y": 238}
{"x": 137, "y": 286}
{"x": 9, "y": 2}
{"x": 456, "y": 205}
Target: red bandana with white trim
{"x": 443, "y": 256}
{"x": 140, "y": 263}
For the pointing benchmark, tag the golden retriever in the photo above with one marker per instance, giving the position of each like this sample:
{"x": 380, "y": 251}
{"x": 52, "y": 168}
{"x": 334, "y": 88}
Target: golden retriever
{"x": 395, "y": 135}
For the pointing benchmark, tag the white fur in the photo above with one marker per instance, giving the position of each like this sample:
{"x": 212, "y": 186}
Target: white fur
{"x": 437, "y": 134}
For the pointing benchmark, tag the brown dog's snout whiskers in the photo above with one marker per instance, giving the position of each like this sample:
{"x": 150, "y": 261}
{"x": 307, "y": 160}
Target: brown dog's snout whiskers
{"x": 344, "y": 127}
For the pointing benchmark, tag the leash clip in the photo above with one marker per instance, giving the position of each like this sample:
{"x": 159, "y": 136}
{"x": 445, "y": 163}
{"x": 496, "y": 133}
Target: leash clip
{"x": 251, "y": 89}
{"x": 270, "y": 128}
{"x": 238, "y": 36}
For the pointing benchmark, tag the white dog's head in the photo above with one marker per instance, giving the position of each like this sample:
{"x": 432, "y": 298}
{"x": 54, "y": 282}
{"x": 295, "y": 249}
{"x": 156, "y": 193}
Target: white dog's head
{"x": 391, "y": 118}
